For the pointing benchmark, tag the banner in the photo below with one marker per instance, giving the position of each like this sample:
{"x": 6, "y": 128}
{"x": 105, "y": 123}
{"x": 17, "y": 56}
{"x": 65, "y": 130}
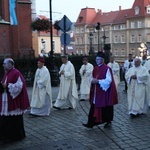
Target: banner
{"x": 13, "y": 17}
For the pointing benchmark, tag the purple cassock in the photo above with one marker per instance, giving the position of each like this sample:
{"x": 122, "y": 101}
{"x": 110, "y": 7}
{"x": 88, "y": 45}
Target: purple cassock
{"x": 103, "y": 100}
{"x": 13, "y": 108}
{"x": 22, "y": 100}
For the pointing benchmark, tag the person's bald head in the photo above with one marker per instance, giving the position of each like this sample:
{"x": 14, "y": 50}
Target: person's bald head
{"x": 8, "y": 64}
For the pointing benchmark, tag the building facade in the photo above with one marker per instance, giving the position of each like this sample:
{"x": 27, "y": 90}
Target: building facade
{"x": 124, "y": 30}
{"x": 15, "y": 28}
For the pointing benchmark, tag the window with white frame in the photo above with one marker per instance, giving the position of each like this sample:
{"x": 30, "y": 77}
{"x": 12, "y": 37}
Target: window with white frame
{"x": 77, "y": 51}
{"x": 137, "y": 10}
{"x": 132, "y": 24}
{"x": 139, "y": 24}
{"x": 81, "y": 51}
{"x": 82, "y": 40}
{"x": 43, "y": 42}
{"x": 132, "y": 38}
{"x": 123, "y": 52}
{"x": 123, "y": 39}
{"x": 77, "y": 40}
{"x": 82, "y": 30}
{"x": 148, "y": 9}
{"x": 116, "y": 52}
{"x": 133, "y": 52}
{"x": 95, "y": 40}
{"x": 116, "y": 39}
{"x": 77, "y": 30}
{"x": 116, "y": 27}
{"x": 123, "y": 26}
{"x": 139, "y": 38}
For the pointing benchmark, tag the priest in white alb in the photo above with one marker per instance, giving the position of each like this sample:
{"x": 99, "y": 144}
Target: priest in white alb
{"x": 137, "y": 79}
{"x": 85, "y": 73}
{"x": 42, "y": 95}
{"x": 115, "y": 70}
{"x": 67, "y": 96}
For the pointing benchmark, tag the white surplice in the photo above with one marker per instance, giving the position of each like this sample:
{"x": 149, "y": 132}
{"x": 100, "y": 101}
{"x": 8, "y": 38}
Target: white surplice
{"x": 103, "y": 83}
{"x": 68, "y": 95}
{"x": 137, "y": 93}
{"x": 147, "y": 65}
{"x": 85, "y": 80}
{"x": 116, "y": 72}
{"x": 14, "y": 90}
{"x": 41, "y": 100}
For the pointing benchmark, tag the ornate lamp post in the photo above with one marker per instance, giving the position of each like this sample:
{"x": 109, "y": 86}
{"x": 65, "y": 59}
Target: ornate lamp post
{"x": 91, "y": 39}
{"x": 98, "y": 27}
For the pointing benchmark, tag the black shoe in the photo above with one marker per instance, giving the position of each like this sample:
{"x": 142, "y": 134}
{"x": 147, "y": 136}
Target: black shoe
{"x": 87, "y": 125}
{"x": 107, "y": 125}
{"x": 56, "y": 107}
{"x": 70, "y": 108}
{"x": 32, "y": 115}
{"x": 82, "y": 99}
{"x": 134, "y": 116}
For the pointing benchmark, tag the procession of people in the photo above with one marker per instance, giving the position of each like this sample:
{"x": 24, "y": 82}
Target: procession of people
{"x": 99, "y": 86}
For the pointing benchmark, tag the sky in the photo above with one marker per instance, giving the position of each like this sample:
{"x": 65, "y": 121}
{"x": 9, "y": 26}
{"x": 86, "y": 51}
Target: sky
{"x": 72, "y": 8}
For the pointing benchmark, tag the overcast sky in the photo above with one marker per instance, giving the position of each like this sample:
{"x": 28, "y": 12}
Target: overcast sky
{"x": 71, "y": 8}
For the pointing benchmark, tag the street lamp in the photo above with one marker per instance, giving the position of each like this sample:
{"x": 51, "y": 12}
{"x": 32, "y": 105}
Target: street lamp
{"x": 90, "y": 39}
{"x": 98, "y": 27}
{"x": 104, "y": 38}
{"x": 53, "y": 71}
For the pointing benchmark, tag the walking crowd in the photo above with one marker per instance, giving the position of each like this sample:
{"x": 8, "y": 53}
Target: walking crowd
{"x": 98, "y": 85}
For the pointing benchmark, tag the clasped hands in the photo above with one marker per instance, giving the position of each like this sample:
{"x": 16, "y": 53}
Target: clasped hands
{"x": 62, "y": 72}
{"x": 94, "y": 81}
{"x": 133, "y": 77}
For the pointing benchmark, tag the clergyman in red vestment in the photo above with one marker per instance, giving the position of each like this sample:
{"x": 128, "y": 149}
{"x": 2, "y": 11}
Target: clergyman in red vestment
{"x": 103, "y": 94}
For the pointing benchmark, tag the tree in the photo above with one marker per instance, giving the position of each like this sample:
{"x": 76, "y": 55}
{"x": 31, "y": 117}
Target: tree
{"x": 41, "y": 25}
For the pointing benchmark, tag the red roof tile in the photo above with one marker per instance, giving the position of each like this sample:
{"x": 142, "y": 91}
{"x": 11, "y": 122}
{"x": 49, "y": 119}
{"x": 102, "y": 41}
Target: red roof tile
{"x": 86, "y": 16}
{"x": 121, "y": 16}
{"x": 142, "y": 4}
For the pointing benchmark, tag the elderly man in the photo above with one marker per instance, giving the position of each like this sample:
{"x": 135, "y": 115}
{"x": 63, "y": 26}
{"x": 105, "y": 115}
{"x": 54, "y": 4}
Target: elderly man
{"x": 85, "y": 73}
{"x": 13, "y": 103}
{"x": 137, "y": 79}
{"x": 103, "y": 94}
{"x": 41, "y": 100}
{"x": 115, "y": 70}
{"x": 67, "y": 96}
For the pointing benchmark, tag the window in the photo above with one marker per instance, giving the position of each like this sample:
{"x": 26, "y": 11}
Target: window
{"x": 123, "y": 26}
{"x": 43, "y": 42}
{"x": 77, "y": 40}
{"x": 123, "y": 52}
{"x": 137, "y": 10}
{"x": 133, "y": 52}
{"x": 82, "y": 40}
{"x": 115, "y": 27}
{"x": 132, "y": 25}
{"x": 116, "y": 52}
{"x": 139, "y": 24}
{"x": 82, "y": 30}
{"x": 123, "y": 39}
{"x": 95, "y": 40}
{"x": 77, "y": 30}
{"x": 116, "y": 39}
{"x": 139, "y": 38}
{"x": 132, "y": 39}
{"x": 148, "y": 9}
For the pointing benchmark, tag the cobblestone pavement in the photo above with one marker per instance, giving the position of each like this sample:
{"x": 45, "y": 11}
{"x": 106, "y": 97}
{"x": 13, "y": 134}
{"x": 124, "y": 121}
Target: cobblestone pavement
{"x": 63, "y": 130}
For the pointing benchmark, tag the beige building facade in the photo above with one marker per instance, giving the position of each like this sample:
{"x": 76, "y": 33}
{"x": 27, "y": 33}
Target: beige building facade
{"x": 124, "y": 30}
